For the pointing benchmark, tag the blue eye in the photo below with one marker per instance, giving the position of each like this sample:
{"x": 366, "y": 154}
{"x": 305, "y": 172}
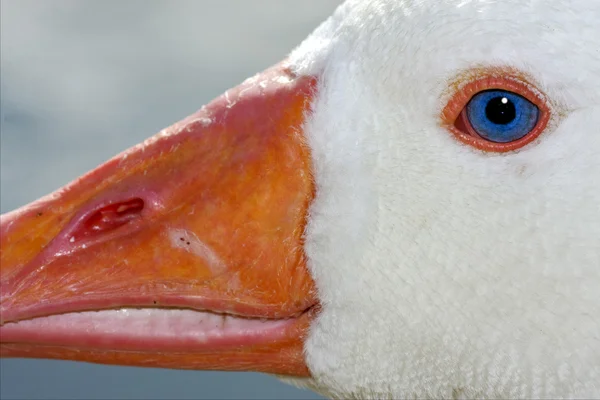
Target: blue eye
{"x": 501, "y": 116}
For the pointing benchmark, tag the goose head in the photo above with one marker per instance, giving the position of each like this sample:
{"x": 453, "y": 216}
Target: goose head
{"x": 407, "y": 206}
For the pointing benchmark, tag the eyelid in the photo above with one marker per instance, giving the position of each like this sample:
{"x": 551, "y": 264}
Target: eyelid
{"x": 459, "y": 100}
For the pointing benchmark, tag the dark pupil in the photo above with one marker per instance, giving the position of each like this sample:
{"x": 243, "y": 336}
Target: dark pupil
{"x": 500, "y": 110}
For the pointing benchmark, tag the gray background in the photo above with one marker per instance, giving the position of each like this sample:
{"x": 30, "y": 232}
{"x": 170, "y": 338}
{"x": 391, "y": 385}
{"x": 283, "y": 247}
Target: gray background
{"x": 82, "y": 80}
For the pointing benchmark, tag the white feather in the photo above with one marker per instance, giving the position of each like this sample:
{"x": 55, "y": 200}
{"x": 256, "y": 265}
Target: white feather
{"x": 445, "y": 271}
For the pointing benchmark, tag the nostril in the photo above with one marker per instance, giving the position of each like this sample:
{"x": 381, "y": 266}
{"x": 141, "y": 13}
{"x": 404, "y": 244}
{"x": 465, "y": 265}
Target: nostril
{"x": 108, "y": 218}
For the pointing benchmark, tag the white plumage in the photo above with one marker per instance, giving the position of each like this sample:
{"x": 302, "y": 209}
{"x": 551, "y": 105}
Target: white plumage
{"x": 445, "y": 271}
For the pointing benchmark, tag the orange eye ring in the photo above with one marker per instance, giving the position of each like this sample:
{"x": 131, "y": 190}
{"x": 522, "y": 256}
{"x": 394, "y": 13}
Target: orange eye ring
{"x": 455, "y": 121}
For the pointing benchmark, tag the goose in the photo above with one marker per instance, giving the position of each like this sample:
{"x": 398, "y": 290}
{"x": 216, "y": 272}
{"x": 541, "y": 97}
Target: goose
{"x": 406, "y": 206}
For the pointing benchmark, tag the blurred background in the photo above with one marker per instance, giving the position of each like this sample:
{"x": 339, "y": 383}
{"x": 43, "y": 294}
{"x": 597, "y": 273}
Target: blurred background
{"x": 82, "y": 80}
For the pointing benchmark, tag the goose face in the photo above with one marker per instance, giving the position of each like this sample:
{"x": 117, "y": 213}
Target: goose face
{"x": 445, "y": 264}
{"x": 444, "y": 270}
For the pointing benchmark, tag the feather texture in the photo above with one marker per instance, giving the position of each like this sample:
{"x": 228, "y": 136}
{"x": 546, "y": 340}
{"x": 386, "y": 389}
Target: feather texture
{"x": 445, "y": 271}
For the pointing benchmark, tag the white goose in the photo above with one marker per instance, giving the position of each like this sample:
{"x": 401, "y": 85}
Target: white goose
{"x": 445, "y": 204}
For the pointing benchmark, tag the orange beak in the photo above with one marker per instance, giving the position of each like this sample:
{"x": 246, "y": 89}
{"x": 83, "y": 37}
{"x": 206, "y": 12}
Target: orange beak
{"x": 185, "y": 251}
